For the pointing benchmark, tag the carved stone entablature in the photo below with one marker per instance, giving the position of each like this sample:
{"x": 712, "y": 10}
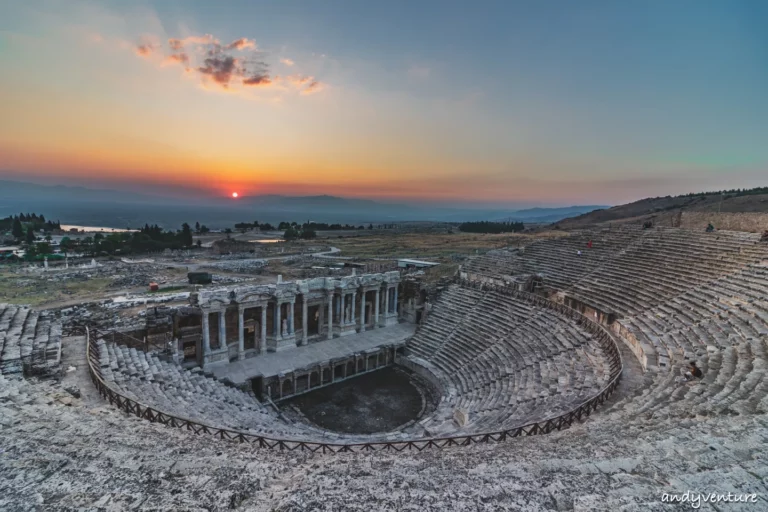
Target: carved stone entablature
{"x": 286, "y": 292}
{"x": 222, "y": 297}
{"x": 255, "y": 295}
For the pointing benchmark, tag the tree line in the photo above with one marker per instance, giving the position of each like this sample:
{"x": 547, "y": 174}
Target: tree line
{"x": 150, "y": 238}
{"x": 21, "y": 225}
{"x": 306, "y": 231}
{"x": 734, "y": 192}
{"x": 491, "y": 227}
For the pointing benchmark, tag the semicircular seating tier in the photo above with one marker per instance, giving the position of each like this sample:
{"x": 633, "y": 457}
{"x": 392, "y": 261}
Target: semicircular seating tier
{"x": 506, "y": 360}
{"x": 198, "y": 396}
{"x": 30, "y": 342}
{"x": 677, "y": 296}
{"x": 190, "y": 394}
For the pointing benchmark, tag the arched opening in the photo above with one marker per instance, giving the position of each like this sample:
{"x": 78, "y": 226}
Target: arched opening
{"x": 287, "y": 387}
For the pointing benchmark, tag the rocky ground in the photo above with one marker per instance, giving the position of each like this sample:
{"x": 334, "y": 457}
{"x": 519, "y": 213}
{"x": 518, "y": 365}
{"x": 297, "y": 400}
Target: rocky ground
{"x": 63, "y": 448}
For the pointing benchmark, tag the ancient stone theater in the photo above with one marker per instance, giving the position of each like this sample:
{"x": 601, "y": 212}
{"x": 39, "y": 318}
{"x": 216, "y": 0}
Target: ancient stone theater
{"x": 554, "y": 376}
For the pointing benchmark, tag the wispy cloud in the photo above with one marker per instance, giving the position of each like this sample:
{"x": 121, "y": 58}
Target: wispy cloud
{"x": 236, "y": 66}
{"x": 299, "y": 80}
{"x": 147, "y": 46}
{"x": 177, "y": 58}
{"x": 257, "y": 80}
{"x": 241, "y": 44}
{"x": 313, "y": 87}
{"x": 178, "y": 44}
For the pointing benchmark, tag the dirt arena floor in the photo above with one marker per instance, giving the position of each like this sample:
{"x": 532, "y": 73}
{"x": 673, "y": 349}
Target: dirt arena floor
{"x": 376, "y": 402}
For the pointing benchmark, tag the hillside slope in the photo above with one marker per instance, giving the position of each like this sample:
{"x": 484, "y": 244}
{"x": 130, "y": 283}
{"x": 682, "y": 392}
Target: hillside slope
{"x": 664, "y": 209}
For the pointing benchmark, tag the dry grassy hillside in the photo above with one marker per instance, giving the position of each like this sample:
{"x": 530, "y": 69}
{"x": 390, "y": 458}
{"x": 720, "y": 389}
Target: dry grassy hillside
{"x": 662, "y": 209}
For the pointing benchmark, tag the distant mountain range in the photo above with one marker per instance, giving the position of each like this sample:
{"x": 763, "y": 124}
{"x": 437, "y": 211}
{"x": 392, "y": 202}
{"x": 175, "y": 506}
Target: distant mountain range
{"x": 114, "y": 208}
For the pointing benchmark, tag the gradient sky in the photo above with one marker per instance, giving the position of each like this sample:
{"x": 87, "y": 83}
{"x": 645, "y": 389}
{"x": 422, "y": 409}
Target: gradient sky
{"x": 507, "y": 102}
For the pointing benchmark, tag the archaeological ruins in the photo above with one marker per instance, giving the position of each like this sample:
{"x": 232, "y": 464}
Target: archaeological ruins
{"x": 550, "y": 377}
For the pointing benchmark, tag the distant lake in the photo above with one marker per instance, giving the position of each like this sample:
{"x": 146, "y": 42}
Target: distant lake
{"x": 94, "y": 229}
{"x": 266, "y": 240}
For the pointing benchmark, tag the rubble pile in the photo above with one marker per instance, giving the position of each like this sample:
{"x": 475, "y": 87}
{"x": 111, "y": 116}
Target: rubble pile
{"x": 117, "y": 313}
{"x": 132, "y": 280}
{"x": 238, "y": 265}
{"x": 219, "y": 279}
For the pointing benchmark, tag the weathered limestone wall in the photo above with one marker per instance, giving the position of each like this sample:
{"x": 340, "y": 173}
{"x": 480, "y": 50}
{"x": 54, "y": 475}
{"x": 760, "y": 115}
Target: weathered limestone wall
{"x": 744, "y": 221}
{"x": 435, "y": 386}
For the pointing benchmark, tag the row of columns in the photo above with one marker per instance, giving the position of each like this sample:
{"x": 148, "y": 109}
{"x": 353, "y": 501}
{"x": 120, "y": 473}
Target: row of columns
{"x": 241, "y": 330}
{"x": 390, "y": 306}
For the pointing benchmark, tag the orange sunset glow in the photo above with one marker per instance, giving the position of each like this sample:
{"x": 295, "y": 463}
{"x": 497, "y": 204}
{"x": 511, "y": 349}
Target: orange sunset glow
{"x": 145, "y": 96}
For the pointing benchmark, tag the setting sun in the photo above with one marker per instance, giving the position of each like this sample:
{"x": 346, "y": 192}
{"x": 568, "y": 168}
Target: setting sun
{"x": 234, "y": 194}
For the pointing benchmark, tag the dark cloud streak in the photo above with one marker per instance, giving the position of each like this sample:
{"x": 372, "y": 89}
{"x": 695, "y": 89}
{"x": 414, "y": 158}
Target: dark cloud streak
{"x": 221, "y": 69}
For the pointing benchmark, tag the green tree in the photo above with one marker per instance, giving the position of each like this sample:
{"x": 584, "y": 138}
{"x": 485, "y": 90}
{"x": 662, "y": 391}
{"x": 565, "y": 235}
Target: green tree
{"x": 66, "y": 244}
{"x": 199, "y": 244}
{"x": 43, "y": 248}
{"x": 291, "y": 233}
{"x": 17, "y": 231}
{"x": 197, "y": 227}
{"x": 186, "y": 235}
{"x": 30, "y": 236}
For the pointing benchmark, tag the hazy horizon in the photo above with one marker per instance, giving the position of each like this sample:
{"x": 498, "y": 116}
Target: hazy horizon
{"x": 496, "y": 104}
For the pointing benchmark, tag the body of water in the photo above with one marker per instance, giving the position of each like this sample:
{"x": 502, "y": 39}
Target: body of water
{"x": 95, "y": 229}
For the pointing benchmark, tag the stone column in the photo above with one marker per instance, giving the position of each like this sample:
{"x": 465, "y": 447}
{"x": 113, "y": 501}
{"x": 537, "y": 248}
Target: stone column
{"x": 376, "y": 311}
{"x": 362, "y": 311}
{"x": 206, "y": 333}
{"x": 352, "y": 311}
{"x": 386, "y": 302}
{"x": 330, "y": 315}
{"x": 304, "y": 320}
{"x": 263, "y": 344}
{"x": 395, "y": 308}
{"x": 241, "y": 333}
{"x": 291, "y": 317}
{"x": 278, "y": 321}
{"x": 222, "y": 329}
{"x": 343, "y": 319}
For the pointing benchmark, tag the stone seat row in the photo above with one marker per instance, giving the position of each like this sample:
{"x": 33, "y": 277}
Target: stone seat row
{"x": 187, "y": 393}
{"x": 715, "y": 314}
{"x": 505, "y": 357}
{"x": 734, "y": 383}
{"x": 30, "y": 341}
{"x": 622, "y": 268}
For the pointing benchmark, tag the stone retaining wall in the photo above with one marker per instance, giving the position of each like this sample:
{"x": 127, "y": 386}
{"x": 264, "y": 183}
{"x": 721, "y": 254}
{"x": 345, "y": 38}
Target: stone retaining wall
{"x": 743, "y": 221}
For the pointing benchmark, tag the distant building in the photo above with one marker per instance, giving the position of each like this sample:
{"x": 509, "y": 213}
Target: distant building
{"x": 407, "y": 263}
